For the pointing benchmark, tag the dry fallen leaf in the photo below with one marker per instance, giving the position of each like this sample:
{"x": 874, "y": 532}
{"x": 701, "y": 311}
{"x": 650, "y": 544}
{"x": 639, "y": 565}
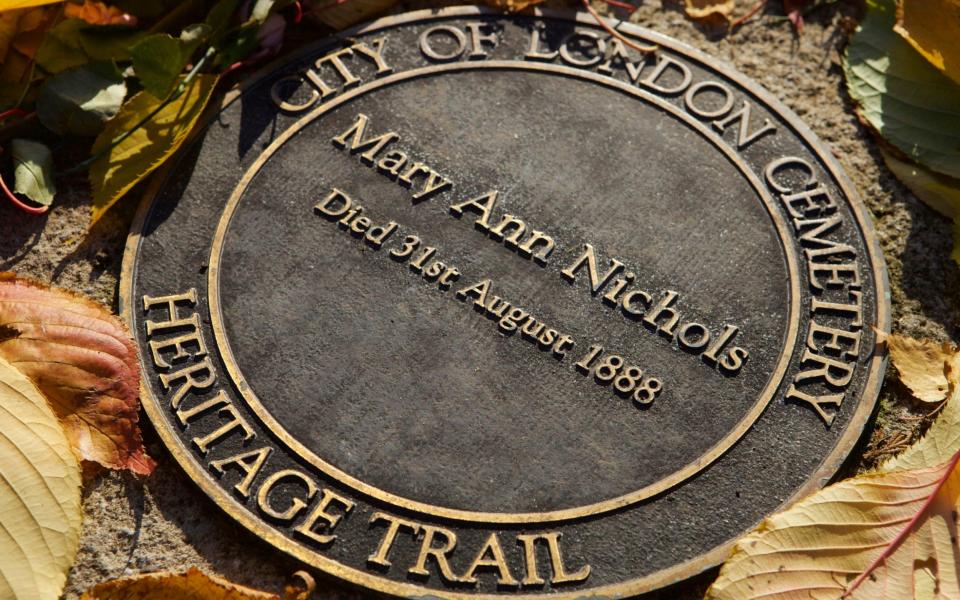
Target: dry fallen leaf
{"x": 512, "y": 6}
{"x": 340, "y": 14}
{"x": 82, "y": 358}
{"x": 886, "y": 535}
{"x": 932, "y": 27}
{"x": 39, "y": 493}
{"x": 98, "y": 13}
{"x": 709, "y": 10}
{"x": 921, "y": 365}
{"x": 191, "y": 585}
{"x": 942, "y": 439}
{"x": 890, "y": 534}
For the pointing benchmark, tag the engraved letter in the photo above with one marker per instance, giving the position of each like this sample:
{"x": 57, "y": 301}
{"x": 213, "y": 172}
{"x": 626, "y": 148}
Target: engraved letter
{"x": 358, "y": 144}
{"x": 203, "y": 444}
{"x": 590, "y": 258}
{"x": 263, "y": 495}
{"x": 380, "y": 558}
{"x": 482, "y": 205}
{"x": 330, "y": 520}
{"x": 744, "y": 136}
{"x": 430, "y": 52}
{"x": 496, "y": 560}
{"x": 439, "y": 554}
{"x": 249, "y": 462}
{"x": 560, "y": 574}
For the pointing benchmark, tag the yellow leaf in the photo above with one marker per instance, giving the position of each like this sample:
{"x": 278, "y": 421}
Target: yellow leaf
{"x": 12, "y": 4}
{"x": 942, "y": 439}
{"x": 933, "y": 28}
{"x": 939, "y": 192}
{"x": 120, "y": 168}
{"x": 39, "y": 493}
{"x": 192, "y": 585}
{"x": 709, "y": 10}
{"x": 921, "y": 365}
{"x": 878, "y": 536}
{"x": 340, "y": 15}
{"x": 513, "y": 6}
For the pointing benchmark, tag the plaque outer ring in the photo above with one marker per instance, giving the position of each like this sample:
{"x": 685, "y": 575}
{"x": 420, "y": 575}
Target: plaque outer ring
{"x": 828, "y": 467}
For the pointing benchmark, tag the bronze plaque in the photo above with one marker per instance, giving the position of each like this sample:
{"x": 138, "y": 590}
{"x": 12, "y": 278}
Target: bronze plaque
{"x": 463, "y": 304}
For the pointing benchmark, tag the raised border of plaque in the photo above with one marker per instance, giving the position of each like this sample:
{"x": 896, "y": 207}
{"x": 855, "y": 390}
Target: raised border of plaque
{"x": 644, "y": 584}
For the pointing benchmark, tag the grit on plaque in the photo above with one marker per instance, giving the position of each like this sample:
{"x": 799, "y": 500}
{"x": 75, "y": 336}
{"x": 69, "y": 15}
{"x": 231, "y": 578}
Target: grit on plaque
{"x": 463, "y": 304}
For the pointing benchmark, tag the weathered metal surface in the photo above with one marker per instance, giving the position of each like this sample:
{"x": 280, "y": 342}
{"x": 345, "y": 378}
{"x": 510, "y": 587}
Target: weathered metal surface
{"x": 468, "y": 304}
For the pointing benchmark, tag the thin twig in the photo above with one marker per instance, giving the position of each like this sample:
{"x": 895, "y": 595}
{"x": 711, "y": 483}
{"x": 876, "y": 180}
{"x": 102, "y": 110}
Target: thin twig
{"x": 629, "y": 43}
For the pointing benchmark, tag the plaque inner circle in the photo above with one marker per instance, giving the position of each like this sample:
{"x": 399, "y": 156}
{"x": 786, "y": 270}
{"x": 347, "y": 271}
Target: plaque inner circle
{"x": 492, "y": 428}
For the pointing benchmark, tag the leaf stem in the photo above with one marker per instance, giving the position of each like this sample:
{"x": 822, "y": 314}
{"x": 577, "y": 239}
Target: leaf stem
{"x": 895, "y": 543}
{"x": 33, "y": 210}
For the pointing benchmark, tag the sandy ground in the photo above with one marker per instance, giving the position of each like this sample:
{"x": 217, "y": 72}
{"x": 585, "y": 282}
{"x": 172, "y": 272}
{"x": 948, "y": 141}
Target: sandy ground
{"x": 164, "y": 522}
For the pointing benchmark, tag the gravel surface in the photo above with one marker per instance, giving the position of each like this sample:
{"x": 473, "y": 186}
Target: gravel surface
{"x": 165, "y": 522}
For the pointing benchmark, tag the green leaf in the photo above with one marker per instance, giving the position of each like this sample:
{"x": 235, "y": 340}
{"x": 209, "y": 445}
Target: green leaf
{"x": 131, "y": 159}
{"x": 80, "y": 100}
{"x": 907, "y": 100}
{"x": 74, "y": 42}
{"x": 239, "y": 45}
{"x": 219, "y": 18}
{"x": 158, "y": 61}
{"x": 61, "y": 49}
{"x": 33, "y": 171}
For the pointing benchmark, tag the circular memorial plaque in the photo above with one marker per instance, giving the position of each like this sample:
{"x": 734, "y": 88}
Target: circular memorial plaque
{"x": 463, "y": 304}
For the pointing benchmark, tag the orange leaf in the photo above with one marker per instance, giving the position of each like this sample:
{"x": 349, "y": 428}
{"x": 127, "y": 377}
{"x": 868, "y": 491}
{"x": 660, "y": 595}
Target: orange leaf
{"x": 83, "y": 360}
{"x": 98, "y": 13}
{"x": 192, "y": 585}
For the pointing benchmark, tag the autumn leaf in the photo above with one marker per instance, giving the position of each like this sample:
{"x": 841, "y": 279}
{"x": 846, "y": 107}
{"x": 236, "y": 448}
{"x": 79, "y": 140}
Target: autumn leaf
{"x": 709, "y": 10}
{"x": 40, "y": 508}
{"x": 937, "y": 191}
{"x": 920, "y": 364}
{"x": 340, "y": 15}
{"x": 98, "y": 13}
{"x": 909, "y": 102}
{"x": 13, "y": 4}
{"x": 138, "y": 154}
{"x": 932, "y": 27}
{"x": 191, "y": 585}
{"x": 83, "y": 360}
{"x": 942, "y": 439}
{"x": 883, "y": 535}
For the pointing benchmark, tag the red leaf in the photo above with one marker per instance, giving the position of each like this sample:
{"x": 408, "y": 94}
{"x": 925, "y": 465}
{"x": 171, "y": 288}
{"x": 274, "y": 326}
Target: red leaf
{"x": 82, "y": 358}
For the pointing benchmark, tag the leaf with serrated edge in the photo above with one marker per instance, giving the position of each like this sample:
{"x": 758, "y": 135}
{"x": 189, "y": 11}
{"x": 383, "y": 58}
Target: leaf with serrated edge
{"x": 83, "y": 359}
{"x": 942, "y": 439}
{"x": 932, "y": 27}
{"x": 39, "y": 493}
{"x": 920, "y": 364}
{"x": 120, "y": 168}
{"x": 191, "y": 585}
{"x": 876, "y": 536}
{"x": 907, "y": 100}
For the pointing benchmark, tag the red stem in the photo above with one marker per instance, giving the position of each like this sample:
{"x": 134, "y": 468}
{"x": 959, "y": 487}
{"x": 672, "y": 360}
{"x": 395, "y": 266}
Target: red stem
{"x": 33, "y": 210}
{"x": 299, "y": 14}
{"x": 13, "y": 112}
{"x": 615, "y": 33}
{"x": 753, "y": 10}
{"x": 892, "y": 547}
